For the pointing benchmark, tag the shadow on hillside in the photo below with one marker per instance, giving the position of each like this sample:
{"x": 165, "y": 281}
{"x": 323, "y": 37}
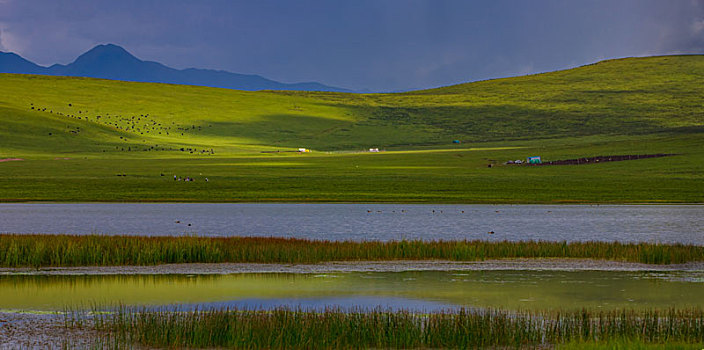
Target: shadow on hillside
{"x": 508, "y": 122}
{"x": 423, "y": 126}
{"x": 285, "y": 130}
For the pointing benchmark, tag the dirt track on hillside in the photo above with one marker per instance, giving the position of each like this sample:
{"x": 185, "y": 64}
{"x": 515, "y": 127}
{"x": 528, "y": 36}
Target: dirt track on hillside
{"x": 603, "y": 159}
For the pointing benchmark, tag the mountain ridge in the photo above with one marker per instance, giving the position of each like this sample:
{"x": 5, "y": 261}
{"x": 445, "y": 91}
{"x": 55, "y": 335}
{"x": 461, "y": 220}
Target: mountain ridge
{"x": 113, "y": 62}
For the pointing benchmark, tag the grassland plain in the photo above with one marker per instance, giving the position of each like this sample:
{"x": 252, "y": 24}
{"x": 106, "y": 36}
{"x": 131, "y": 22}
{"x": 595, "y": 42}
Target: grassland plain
{"x": 95, "y": 250}
{"x": 108, "y": 129}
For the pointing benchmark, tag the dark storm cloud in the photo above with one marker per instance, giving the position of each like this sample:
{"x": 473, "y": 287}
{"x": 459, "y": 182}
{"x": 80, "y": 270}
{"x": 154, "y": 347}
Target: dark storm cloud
{"x": 374, "y": 44}
{"x": 682, "y": 28}
{"x": 2, "y": 47}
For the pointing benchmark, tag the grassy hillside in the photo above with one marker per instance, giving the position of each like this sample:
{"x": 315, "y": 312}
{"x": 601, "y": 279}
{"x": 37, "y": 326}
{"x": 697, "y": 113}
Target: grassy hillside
{"x": 110, "y": 128}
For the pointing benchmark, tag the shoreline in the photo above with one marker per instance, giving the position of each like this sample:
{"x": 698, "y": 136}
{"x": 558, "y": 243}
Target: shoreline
{"x": 523, "y": 264}
{"x": 43, "y": 331}
{"x": 387, "y": 202}
{"x": 47, "y": 330}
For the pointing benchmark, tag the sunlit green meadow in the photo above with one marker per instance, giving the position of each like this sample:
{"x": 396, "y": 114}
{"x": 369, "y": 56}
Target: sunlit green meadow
{"x": 141, "y": 131}
{"x": 454, "y": 176}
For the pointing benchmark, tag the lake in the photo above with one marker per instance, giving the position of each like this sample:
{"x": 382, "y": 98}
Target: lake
{"x": 416, "y": 290}
{"x": 627, "y": 223}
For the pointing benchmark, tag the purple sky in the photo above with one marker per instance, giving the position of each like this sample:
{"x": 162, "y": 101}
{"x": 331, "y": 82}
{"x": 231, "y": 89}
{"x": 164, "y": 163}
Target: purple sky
{"x": 377, "y": 45}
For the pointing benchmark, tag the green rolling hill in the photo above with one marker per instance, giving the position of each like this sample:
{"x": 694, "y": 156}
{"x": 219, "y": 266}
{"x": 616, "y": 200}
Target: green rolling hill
{"x": 143, "y": 130}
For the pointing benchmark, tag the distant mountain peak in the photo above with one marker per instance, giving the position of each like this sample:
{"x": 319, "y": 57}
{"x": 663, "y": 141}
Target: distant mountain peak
{"x": 110, "y": 61}
{"x": 107, "y": 52}
{"x": 109, "y": 46}
{"x": 13, "y": 63}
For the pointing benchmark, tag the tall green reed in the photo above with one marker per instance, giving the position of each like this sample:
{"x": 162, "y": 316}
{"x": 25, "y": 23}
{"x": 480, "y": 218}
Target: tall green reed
{"x": 94, "y": 250}
{"x": 334, "y": 328}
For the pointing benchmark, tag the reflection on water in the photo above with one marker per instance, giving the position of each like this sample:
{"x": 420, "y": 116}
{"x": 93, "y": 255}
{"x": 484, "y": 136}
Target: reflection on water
{"x": 426, "y": 290}
{"x": 643, "y": 223}
{"x": 323, "y": 303}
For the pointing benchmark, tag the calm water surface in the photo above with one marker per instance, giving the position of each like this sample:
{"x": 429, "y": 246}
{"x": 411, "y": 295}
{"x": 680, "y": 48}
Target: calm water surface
{"x": 642, "y": 223}
{"x": 426, "y": 290}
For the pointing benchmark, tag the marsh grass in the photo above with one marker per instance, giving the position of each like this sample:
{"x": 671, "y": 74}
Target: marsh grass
{"x": 335, "y": 328}
{"x": 629, "y": 345}
{"x": 18, "y": 250}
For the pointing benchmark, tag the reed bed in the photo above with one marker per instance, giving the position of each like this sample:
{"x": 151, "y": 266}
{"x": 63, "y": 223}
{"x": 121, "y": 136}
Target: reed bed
{"x": 19, "y": 250}
{"x": 334, "y": 328}
{"x": 630, "y": 345}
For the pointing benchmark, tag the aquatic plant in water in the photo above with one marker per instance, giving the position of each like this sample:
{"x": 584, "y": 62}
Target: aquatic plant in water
{"x": 335, "y": 328}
